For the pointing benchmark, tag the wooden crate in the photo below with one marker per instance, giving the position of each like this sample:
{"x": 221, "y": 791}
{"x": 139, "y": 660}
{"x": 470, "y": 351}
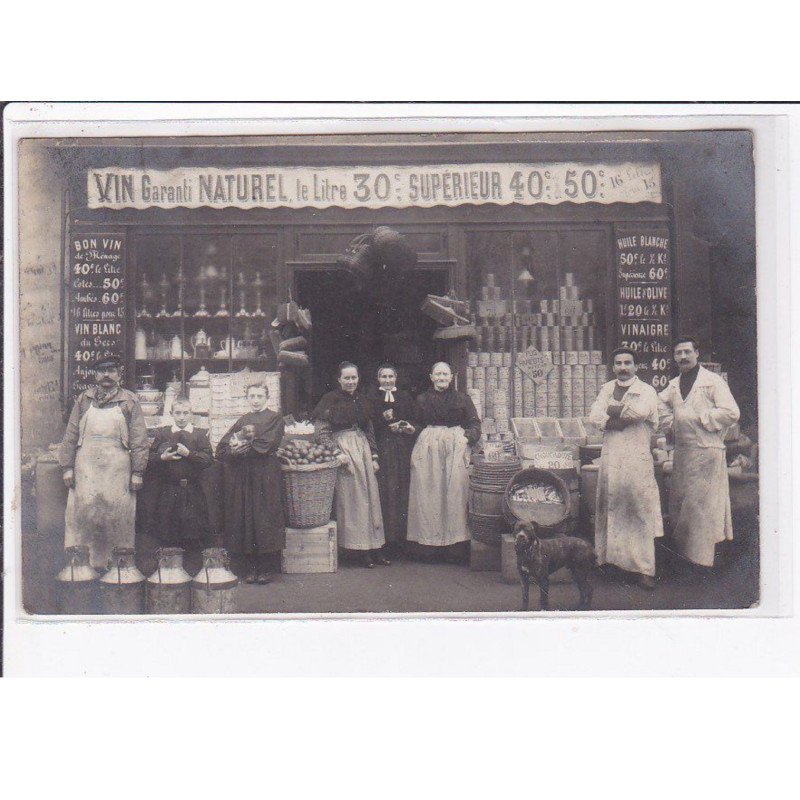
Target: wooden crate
{"x": 508, "y": 559}
{"x": 310, "y": 550}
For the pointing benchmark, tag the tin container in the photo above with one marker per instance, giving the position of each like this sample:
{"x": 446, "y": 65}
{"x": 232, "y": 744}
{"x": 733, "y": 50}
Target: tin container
{"x": 214, "y": 587}
{"x": 77, "y": 583}
{"x": 121, "y": 589}
{"x": 168, "y": 588}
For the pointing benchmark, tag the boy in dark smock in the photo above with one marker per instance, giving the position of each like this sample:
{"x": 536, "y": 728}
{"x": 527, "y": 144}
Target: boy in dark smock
{"x": 179, "y": 453}
{"x": 253, "y": 489}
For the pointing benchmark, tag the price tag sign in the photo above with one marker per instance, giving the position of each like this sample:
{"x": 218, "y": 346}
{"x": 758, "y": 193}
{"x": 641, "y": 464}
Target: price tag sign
{"x": 570, "y": 308}
{"x": 534, "y": 364}
{"x": 97, "y": 310}
{"x": 553, "y": 459}
{"x": 494, "y": 452}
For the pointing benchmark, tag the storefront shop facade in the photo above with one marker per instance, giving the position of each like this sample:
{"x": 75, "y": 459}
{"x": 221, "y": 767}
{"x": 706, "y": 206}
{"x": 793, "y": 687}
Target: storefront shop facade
{"x": 252, "y": 259}
{"x": 563, "y": 248}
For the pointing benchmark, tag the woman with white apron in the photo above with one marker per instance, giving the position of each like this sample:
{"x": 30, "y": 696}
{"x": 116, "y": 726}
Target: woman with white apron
{"x": 342, "y": 419}
{"x": 437, "y": 508}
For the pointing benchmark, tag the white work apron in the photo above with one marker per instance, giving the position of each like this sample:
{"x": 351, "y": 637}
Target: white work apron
{"x": 101, "y": 509}
{"x": 628, "y": 514}
{"x": 359, "y": 522}
{"x": 437, "y": 505}
{"x": 699, "y": 497}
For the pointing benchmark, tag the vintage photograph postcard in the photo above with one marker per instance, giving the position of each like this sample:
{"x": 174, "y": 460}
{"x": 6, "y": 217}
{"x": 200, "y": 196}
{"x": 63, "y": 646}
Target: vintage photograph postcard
{"x": 447, "y": 372}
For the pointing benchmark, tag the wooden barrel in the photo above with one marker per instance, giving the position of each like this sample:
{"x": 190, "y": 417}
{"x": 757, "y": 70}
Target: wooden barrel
{"x": 562, "y": 461}
{"x": 487, "y": 488}
{"x": 310, "y": 550}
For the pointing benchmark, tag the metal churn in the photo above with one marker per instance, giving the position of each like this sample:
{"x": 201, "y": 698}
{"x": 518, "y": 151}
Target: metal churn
{"x": 122, "y": 587}
{"x": 77, "y": 583}
{"x": 168, "y": 588}
{"x": 214, "y": 587}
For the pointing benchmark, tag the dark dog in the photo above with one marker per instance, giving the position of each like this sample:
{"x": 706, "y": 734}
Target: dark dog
{"x": 538, "y": 558}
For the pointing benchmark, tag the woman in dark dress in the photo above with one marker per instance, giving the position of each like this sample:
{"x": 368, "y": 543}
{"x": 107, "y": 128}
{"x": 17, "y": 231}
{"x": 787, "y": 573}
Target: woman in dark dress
{"x": 179, "y": 454}
{"x": 253, "y": 496}
{"x": 342, "y": 419}
{"x": 437, "y": 513}
{"x": 393, "y": 417}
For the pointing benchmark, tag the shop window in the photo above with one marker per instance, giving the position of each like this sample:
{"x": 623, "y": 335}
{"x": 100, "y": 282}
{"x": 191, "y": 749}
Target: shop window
{"x": 203, "y": 300}
{"x": 544, "y": 289}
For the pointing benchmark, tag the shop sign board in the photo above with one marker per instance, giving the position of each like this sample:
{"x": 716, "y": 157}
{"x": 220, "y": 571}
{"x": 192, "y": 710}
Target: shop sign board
{"x": 644, "y": 298}
{"x": 534, "y": 364}
{"x": 422, "y": 186}
{"x": 96, "y": 305}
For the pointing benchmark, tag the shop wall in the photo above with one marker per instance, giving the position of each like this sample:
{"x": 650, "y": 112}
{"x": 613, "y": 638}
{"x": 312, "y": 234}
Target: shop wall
{"x": 40, "y": 248}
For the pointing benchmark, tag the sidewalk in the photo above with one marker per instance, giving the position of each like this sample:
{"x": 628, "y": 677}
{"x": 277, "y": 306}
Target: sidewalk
{"x": 409, "y": 587}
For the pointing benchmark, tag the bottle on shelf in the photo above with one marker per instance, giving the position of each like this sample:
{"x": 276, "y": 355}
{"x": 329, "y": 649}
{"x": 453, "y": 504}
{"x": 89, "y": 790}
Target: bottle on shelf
{"x": 147, "y": 295}
{"x": 164, "y": 286}
{"x": 242, "y": 312}
{"x": 222, "y": 311}
{"x": 178, "y": 312}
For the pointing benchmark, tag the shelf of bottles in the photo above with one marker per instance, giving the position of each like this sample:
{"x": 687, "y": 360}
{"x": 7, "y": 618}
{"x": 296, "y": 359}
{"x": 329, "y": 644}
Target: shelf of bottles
{"x": 203, "y": 302}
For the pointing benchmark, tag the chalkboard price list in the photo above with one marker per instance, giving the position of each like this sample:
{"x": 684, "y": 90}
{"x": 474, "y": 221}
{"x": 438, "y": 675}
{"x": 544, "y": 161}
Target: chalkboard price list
{"x": 644, "y": 301}
{"x": 97, "y": 314}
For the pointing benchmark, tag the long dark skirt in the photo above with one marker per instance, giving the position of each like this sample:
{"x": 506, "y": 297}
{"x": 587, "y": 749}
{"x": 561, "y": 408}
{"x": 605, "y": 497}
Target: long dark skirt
{"x": 394, "y": 479}
{"x": 254, "y": 515}
{"x": 181, "y": 514}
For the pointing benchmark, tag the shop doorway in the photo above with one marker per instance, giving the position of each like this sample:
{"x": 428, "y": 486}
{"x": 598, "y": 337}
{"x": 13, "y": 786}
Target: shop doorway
{"x": 368, "y": 325}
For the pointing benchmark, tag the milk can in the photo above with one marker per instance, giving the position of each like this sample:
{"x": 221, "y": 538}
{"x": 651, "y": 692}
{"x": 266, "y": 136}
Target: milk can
{"x": 168, "y": 588}
{"x": 214, "y": 587}
{"x": 77, "y": 583}
{"x": 122, "y": 587}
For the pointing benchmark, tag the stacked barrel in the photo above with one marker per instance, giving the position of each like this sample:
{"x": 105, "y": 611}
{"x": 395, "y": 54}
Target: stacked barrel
{"x": 487, "y": 522}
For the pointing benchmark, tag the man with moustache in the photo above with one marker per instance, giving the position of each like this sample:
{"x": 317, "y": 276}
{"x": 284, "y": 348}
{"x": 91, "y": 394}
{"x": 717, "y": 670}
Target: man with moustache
{"x": 103, "y": 456}
{"x": 628, "y": 516}
{"x": 696, "y": 409}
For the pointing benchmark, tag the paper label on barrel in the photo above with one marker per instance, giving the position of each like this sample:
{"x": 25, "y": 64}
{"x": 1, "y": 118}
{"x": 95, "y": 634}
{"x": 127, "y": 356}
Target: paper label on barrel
{"x": 552, "y": 459}
{"x": 493, "y": 452}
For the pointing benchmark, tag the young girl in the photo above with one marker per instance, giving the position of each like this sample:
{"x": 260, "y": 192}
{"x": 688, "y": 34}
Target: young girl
{"x": 254, "y": 517}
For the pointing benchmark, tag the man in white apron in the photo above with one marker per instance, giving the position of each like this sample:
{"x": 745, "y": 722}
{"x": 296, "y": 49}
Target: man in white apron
{"x": 697, "y": 408}
{"x": 628, "y": 517}
{"x": 103, "y": 456}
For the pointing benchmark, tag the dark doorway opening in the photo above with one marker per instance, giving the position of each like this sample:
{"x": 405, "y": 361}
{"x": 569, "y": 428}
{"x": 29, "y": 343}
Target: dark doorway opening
{"x": 368, "y": 325}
